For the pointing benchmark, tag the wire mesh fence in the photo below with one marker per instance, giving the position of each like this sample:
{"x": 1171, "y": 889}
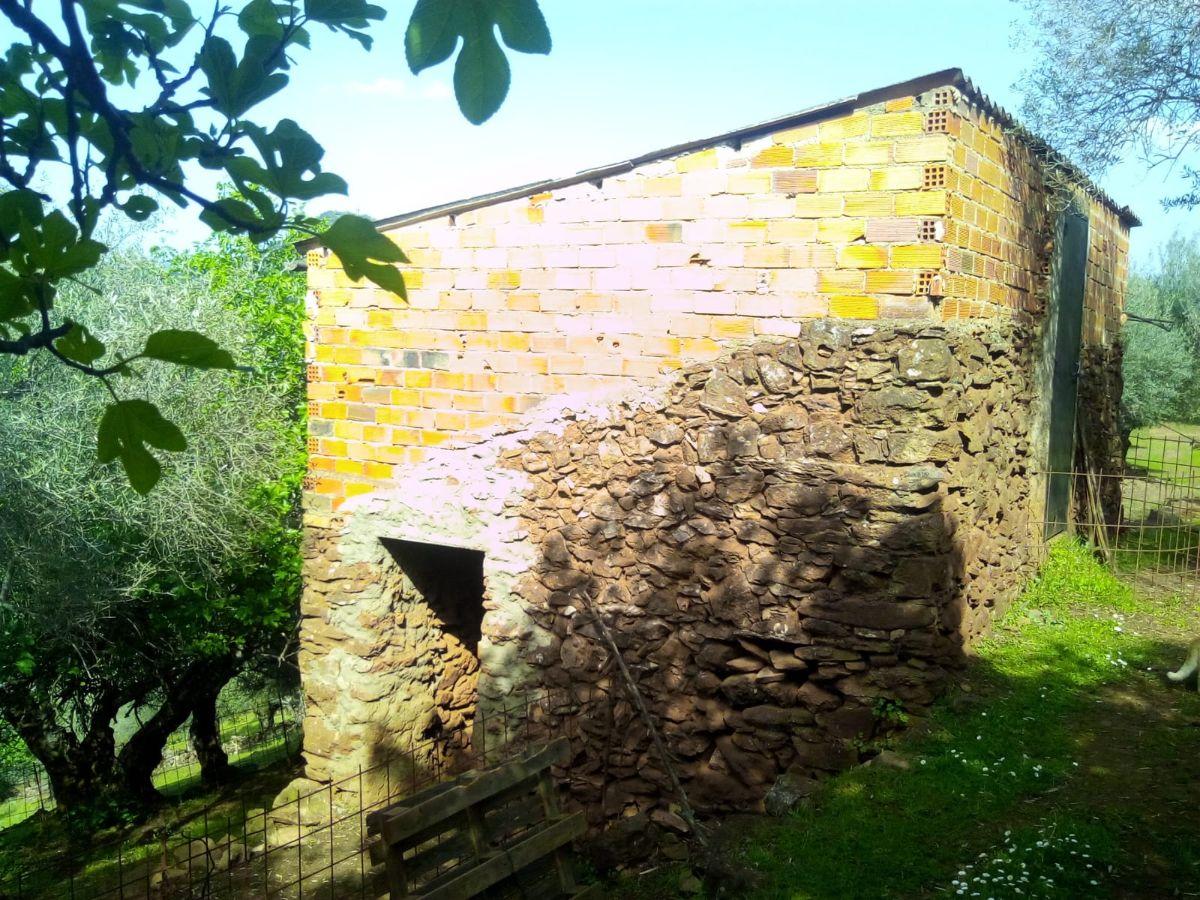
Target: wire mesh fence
{"x": 308, "y": 844}
{"x": 1143, "y": 517}
{"x": 253, "y": 736}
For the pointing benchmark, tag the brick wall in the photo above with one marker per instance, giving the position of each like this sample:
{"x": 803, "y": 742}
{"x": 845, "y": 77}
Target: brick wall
{"x": 861, "y": 216}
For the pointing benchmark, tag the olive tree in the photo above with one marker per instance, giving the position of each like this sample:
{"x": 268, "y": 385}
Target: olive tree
{"x": 110, "y": 598}
{"x": 1114, "y": 76}
{"x": 1162, "y": 338}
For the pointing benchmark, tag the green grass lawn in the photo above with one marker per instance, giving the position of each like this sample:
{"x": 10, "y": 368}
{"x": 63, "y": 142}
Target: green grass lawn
{"x": 1166, "y": 451}
{"x": 1064, "y": 766}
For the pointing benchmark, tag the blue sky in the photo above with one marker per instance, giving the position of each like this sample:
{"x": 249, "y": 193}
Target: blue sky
{"x": 629, "y": 76}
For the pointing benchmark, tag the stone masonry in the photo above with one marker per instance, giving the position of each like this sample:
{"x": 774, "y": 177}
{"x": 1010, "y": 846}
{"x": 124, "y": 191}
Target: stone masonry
{"x": 772, "y": 405}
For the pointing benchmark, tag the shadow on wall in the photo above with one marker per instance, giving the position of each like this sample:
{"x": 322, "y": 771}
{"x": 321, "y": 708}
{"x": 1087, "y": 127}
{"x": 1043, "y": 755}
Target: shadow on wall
{"x": 792, "y": 546}
{"x": 775, "y": 546}
{"x": 781, "y": 641}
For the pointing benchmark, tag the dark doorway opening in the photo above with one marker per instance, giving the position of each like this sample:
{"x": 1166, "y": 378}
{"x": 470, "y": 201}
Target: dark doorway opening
{"x": 1066, "y": 310}
{"x": 448, "y": 581}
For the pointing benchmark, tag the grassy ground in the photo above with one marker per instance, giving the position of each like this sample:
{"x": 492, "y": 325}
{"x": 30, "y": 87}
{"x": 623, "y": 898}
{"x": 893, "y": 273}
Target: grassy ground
{"x": 1065, "y": 766}
{"x": 1166, "y": 451}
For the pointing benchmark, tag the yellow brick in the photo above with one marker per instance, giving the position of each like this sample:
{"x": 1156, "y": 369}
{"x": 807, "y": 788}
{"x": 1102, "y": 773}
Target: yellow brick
{"x": 899, "y": 104}
{"x": 699, "y": 347}
{"x": 849, "y": 307}
{"x": 418, "y": 378}
{"x": 870, "y": 203}
{"x": 749, "y": 183}
{"x": 665, "y": 186}
{"x": 333, "y": 410}
{"x": 840, "y": 231}
{"x": 471, "y": 321}
{"x": 863, "y": 256}
{"x": 786, "y": 230}
{"x": 921, "y": 203}
{"x": 917, "y": 256}
{"x": 813, "y": 256}
{"x": 751, "y": 229}
{"x": 450, "y": 381}
{"x": 504, "y": 280}
{"x": 896, "y": 124}
{"x": 928, "y": 148}
{"x": 824, "y": 154}
{"x": 846, "y": 127}
{"x": 796, "y": 135}
{"x": 414, "y": 279}
{"x": 840, "y": 282}
{"x": 775, "y": 155}
{"x": 897, "y": 178}
{"x": 816, "y": 206}
{"x": 731, "y": 328}
{"x": 409, "y": 396}
{"x": 768, "y": 256}
{"x": 432, "y": 438}
{"x": 664, "y": 232}
{"x": 842, "y": 179}
{"x": 535, "y": 214}
{"x": 514, "y": 341}
{"x": 694, "y": 162}
{"x": 379, "y": 471}
{"x": 870, "y": 153}
{"x": 884, "y": 282}
{"x": 348, "y": 466}
{"x": 355, "y": 488}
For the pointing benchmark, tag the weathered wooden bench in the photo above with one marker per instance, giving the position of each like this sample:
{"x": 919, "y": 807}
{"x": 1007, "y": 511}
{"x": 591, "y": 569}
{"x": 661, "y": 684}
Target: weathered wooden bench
{"x": 494, "y": 832}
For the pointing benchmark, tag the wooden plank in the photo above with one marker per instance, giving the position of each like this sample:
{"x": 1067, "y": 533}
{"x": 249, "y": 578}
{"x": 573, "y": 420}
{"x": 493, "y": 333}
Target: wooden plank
{"x": 517, "y": 815}
{"x": 377, "y": 817}
{"x": 423, "y": 865}
{"x": 497, "y": 866}
{"x": 402, "y": 823}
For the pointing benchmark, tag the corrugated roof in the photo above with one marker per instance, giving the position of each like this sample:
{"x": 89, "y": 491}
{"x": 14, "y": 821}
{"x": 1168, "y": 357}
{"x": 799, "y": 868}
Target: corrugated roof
{"x": 944, "y": 78}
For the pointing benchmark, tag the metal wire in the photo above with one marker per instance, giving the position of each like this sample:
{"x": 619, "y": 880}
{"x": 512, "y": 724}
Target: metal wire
{"x": 322, "y": 859}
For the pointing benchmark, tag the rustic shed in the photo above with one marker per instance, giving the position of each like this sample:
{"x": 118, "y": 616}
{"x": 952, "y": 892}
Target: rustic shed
{"x": 783, "y": 404}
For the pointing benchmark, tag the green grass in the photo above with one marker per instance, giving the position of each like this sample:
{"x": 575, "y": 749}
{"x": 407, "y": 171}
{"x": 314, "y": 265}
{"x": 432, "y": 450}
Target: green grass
{"x": 1165, "y": 451}
{"x": 1024, "y": 772}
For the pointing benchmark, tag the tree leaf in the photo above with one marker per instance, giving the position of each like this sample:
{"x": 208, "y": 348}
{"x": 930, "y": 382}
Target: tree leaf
{"x": 52, "y": 249}
{"x": 260, "y": 18}
{"x": 481, "y": 72}
{"x": 365, "y": 253}
{"x": 522, "y": 25}
{"x": 139, "y": 207}
{"x": 481, "y": 75}
{"x": 187, "y": 348}
{"x": 80, "y": 345}
{"x": 126, "y": 428}
{"x": 432, "y": 34}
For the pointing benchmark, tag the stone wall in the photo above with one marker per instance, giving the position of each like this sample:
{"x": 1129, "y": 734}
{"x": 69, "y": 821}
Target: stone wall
{"x": 780, "y": 539}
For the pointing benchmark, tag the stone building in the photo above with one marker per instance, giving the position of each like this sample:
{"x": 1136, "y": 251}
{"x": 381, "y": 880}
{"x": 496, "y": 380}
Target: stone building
{"x": 780, "y": 404}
